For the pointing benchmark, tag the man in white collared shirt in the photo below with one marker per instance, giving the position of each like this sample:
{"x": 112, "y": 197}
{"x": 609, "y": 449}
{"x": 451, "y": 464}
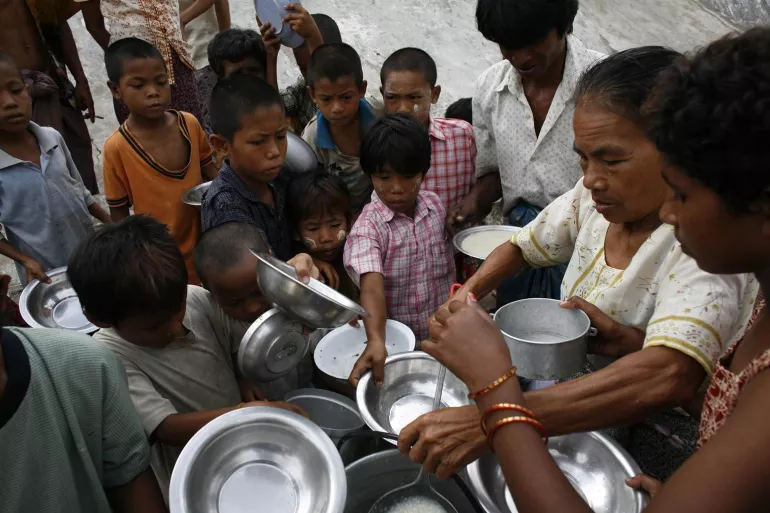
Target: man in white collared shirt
{"x": 522, "y": 120}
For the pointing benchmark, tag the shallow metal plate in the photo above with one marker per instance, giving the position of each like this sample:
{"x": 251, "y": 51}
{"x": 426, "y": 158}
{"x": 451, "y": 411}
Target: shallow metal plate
{"x": 407, "y": 392}
{"x": 594, "y": 464}
{"x": 53, "y": 305}
{"x": 258, "y": 459}
{"x": 272, "y": 347}
{"x": 460, "y": 239}
{"x": 194, "y": 196}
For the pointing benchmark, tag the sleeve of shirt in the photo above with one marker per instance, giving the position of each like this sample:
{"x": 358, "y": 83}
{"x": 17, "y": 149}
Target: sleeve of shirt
{"x": 700, "y": 314}
{"x": 117, "y": 191}
{"x": 363, "y": 251}
{"x": 72, "y": 170}
{"x": 550, "y": 238}
{"x": 486, "y": 156}
{"x": 126, "y": 452}
{"x": 309, "y": 135}
{"x": 203, "y": 141}
{"x": 151, "y": 406}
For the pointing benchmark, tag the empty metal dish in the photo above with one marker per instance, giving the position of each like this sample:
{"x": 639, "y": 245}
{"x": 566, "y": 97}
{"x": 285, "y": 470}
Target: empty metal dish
{"x": 594, "y": 464}
{"x": 406, "y": 393}
{"x": 479, "y": 241}
{"x": 300, "y": 157}
{"x": 334, "y": 413}
{"x": 54, "y": 305}
{"x": 259, "y": 459}
{"x": 194, "y": 196}
{"x": 272, "y": 347}
{"x": 313, "y": 304}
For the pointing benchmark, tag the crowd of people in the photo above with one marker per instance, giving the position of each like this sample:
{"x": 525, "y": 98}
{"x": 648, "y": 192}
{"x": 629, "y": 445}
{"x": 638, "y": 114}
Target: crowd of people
{"x": 636, "y": 179}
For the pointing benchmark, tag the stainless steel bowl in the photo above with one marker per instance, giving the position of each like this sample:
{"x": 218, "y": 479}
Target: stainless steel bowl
{"x": 259, "y": 459}
{"x": 406, "y": 393}
{"x": 53, "y": 305}
{"x": 300, "y": 157}
{"x": 194, "y": 196}
{"x": 594, "y": 464}
{"x": 373, "y": 476}
{"x": 461, "y": 238}
{"x": 272, "y": 347}
{"x": 334, "y": 413}
{"x": 313, "y": 304}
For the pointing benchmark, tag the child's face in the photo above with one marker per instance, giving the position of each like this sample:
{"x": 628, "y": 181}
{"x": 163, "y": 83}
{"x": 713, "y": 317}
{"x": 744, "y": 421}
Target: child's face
{"x": 338, "y": 100}
{"x": 237, "y": 292}
{"x": 144, "y": 88}
{"x": 15, "y": 103}
{"x": 248, "y": 66}
{"x": 151, "y": 332}
{"x": 258, "y": 150}
{"x": 397, "y": 192}
{"x": 324, "y": 235}
{"x": 407, "y": 92}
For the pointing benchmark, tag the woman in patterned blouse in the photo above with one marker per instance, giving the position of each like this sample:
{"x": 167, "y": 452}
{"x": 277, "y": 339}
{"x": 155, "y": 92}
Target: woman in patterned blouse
{"x": 663, "y": 322}
{"x": 711, "y": 121}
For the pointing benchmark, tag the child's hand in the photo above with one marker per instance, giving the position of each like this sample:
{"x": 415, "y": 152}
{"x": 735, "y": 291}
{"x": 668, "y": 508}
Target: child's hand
{"x": 329, "y": 273}
{"x": 270, "y": 39}
{"x": 372, "y": 358}
{"x": 301, "y": 21}
{"x": 35, "y": 271}
{"x": 280, "y": 404}
{"x": 645, "y": 483}
{"x": 305, "y": 266}
{"x": 249, "y": 391}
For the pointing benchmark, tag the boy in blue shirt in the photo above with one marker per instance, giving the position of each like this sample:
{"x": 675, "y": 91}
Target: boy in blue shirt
{"x": 44, "y": 206}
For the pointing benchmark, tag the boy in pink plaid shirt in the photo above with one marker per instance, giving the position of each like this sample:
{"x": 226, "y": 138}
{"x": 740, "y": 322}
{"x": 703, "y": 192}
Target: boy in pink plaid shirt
{"x": 398, "y": 251}
{"x": 408, "y": 79}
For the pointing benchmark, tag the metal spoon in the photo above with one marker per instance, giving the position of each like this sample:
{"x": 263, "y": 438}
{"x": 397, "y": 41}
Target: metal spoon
{"x": 421, "y": 487}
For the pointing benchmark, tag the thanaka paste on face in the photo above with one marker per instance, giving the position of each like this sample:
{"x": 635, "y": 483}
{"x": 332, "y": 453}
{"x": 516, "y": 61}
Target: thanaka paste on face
{"x": 309, "y": 243}
{"x": 341, "y": 235}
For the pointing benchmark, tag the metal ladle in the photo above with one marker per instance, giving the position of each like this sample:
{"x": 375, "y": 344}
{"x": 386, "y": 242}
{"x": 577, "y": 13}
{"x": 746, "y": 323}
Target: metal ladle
{"x": 416, "y": 489}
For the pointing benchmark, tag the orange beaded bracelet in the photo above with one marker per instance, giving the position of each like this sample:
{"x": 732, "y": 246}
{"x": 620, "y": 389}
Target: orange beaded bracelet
{"x": 512, "y": 420}
{"x": 501, "y": 407}
{"x": 496, "y": 383}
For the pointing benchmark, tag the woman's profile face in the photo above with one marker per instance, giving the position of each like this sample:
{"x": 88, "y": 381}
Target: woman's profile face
{"x": 621, "y": 166}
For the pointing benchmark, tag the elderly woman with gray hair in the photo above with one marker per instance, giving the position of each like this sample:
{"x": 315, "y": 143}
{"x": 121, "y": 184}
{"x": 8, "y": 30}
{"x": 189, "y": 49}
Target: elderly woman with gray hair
{"x": 663, "y": 322}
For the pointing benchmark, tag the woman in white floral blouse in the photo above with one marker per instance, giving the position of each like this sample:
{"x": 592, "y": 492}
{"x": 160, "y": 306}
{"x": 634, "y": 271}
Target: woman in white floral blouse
{"x": 663, "y": 323}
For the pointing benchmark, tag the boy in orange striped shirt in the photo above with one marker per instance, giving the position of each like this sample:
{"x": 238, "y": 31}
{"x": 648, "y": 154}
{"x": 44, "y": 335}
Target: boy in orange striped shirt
{"x": 157, "y": 154}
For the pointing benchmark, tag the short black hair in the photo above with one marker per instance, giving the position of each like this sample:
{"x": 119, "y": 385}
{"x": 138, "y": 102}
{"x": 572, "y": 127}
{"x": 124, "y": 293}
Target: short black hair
{"x": 313, "y": 193}
{"x": 710, "y": 117}
{"x": 411, "y": 59}
{"x": 235, "y": 45}
{"x": 127, "y": 49}
{"x": 132, "y": 268}
{"x": 225, "y": 246}
{"x": 330, "y": 32}
{"x": 334, "y": 61}
{"x": 515, "y": 24}
{"x": 398, "y": 141}
{"x": 236, "y": 96}
{"x": 461, "y": 109}
{"x": 623, "y": 82}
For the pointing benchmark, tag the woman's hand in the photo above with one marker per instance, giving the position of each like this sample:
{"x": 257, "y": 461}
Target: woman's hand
{"x": 467, "y": 341}
{"x": 613, "y": 339}
{"x": 444, "y": 441}
{"x": 645, "y": 483}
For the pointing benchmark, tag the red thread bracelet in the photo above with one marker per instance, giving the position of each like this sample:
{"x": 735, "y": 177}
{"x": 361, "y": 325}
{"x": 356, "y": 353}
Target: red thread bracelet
{"x": 512, "y": 420}
{"x": 501, "y": 407}
{"x": 496, "y": 383}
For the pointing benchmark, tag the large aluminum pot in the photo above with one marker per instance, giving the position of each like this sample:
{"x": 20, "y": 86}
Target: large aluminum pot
{"x": 373, "y": 476}
{"x": 547, "y": 342}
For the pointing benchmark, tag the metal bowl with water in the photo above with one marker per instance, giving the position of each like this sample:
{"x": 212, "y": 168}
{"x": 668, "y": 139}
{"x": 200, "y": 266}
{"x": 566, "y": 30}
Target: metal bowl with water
{"x": 314, "y": 304}
{"x": 406, "y": 393}
{"x": 54, "y": 305}
{"x": 259, "y": 459}
{"x": 594, "y": 464}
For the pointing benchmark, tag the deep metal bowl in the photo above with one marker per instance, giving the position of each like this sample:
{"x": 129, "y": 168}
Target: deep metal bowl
{"x": 194, "y": 196}
{"x": 53, "y": 305}
{"x": 373, "y": 476}
{"x": 334, "y": 413}
{"x": 594, "y": 464}
{"x": 259, "y": 459}
{"x": 406, "y": 393}
{"x": 313, "y": 304}
{"x": 300, "y": 157}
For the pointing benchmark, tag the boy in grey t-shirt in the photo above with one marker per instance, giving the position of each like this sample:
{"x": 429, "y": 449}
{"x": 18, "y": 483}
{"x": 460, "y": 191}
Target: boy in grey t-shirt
{"x": 176, "y": 344}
